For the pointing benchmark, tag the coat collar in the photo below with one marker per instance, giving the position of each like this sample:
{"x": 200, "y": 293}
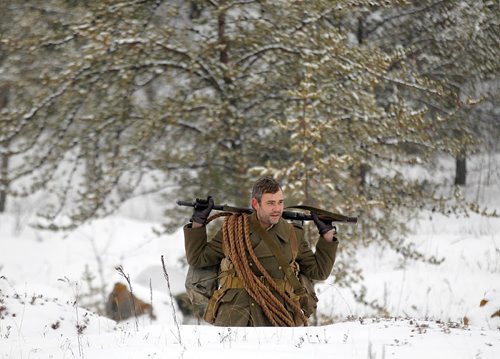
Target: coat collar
{"x": 280, "y": 229}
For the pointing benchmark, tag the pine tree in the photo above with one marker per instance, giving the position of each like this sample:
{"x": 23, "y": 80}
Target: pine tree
{"x": 112, "y": 99}
{"x": 346, "y": 152}
{"x": 455, "y": 44}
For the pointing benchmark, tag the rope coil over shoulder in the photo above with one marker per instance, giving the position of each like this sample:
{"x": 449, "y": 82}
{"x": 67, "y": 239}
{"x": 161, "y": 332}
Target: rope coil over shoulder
{"x": 238, "y": 247}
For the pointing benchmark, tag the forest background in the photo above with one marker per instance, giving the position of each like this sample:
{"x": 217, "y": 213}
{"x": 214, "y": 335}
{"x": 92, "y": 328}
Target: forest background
{"x": 103, "y": 102}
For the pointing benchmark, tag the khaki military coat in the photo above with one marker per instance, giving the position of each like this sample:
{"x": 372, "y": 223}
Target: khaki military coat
{"x": 237, "y": 308}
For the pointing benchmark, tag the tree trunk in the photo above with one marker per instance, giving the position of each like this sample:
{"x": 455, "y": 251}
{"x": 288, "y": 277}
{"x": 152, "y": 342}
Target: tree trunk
{"x": 461, "y": 169}
{"x": 4, "y": 181}
{"x": 360, "y": 33}
{"x": 4, "y": 158}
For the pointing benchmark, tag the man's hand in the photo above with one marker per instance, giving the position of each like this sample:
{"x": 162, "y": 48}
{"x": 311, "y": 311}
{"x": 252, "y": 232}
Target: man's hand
{"x": 202, "y": 209}
{"x": 325, "y": 228}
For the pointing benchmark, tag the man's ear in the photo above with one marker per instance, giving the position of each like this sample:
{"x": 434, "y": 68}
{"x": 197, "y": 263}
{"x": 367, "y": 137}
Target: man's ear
{"x": 254, "y": 203}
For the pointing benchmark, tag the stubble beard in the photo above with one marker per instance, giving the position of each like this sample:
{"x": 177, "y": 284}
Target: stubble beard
{"x": 267, "y": 219}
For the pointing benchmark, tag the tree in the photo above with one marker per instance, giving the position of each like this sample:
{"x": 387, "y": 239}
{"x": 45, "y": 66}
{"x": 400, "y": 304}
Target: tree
{"x": 347, "y": 152}
{"x": 4, "y": 157}
{"x": 136, "y": 88}
{"x": 204, "y": 96}
{"x": 453, "y": 44}
{"x": 83, "y": 115}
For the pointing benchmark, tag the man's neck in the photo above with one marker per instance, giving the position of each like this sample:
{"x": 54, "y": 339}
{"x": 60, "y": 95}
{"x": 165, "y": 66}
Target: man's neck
{"x": 265, "y": 226}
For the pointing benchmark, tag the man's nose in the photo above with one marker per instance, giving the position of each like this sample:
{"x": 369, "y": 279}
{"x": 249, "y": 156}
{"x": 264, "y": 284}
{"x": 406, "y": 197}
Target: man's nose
{"x": 278, "y": 207}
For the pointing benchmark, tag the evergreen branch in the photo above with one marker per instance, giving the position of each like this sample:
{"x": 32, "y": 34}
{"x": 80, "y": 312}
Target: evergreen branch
{"x": 61, "y": 132}
{"x": 59, "y": 42}
{"x": 213, "y": 3}
{"x": 154, "y": 7}
{"x": 114, "y": 7}
{"x": 25, "y": 119}
{"x": 237, "y": 3}
{"x": 34, "y": 110}
{"x": 390, "y": 79}
{"x": 5, "y": 151}
{"x": 184, "y": 52}
{"x": 265, "y": 49}
{"x": 311, "y": 20}
{"x": 40, "y": 9}
{"x": 31, "y": 167}
{"x": 413, "y": 11}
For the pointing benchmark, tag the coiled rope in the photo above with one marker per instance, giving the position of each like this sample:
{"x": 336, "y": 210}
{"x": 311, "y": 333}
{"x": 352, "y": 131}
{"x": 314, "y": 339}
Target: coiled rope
{"x": 236, "y": 240}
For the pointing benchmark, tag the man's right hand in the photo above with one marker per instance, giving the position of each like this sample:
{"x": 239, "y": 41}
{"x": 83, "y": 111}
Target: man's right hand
{"x": 202, "y": 209}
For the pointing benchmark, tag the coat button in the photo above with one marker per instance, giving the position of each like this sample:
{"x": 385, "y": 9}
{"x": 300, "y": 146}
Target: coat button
{"x": 252, "y": 304}
{"x": 279, "y": 267}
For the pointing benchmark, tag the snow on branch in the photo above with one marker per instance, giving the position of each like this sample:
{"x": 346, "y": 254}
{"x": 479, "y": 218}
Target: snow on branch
{"x": 391, "y": 79}
{"x": 236, "y": 3}
{"x": 267, "y": 48}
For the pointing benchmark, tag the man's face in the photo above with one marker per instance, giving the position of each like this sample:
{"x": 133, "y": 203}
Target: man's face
{"x": 270, "y": 208}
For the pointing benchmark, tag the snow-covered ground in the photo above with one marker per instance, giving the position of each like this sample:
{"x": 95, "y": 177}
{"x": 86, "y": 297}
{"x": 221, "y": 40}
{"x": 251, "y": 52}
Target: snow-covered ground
{"x": 46, "y": 279}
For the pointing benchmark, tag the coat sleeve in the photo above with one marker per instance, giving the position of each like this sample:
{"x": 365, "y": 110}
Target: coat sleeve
{"x": 316, "y": 265}
{"x": 199, "y": 251}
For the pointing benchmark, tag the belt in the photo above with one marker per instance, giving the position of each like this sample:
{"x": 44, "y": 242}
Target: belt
{"x": 236, "y": 282}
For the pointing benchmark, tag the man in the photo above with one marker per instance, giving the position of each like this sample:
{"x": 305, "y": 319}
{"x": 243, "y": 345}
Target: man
{"x": 237, "y": 303}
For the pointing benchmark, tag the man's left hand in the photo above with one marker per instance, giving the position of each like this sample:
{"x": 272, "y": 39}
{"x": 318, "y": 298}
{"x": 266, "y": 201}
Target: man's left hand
{"x": 325, "y": 227}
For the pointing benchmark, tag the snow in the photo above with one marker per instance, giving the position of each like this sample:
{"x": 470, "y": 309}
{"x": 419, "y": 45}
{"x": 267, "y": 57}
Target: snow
{"x": 43, "y": 293}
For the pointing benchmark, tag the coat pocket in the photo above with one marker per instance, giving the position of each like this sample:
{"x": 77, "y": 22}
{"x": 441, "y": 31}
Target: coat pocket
{"x": 228, "y": 297}
{"x": 233, "y": 309}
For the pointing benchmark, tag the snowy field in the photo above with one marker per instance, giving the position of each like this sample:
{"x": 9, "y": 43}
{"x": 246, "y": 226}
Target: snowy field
{"x": 45, "y": 286}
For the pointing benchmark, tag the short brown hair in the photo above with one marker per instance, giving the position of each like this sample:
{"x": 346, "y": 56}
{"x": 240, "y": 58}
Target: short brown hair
{"x": 264, "y": 185}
